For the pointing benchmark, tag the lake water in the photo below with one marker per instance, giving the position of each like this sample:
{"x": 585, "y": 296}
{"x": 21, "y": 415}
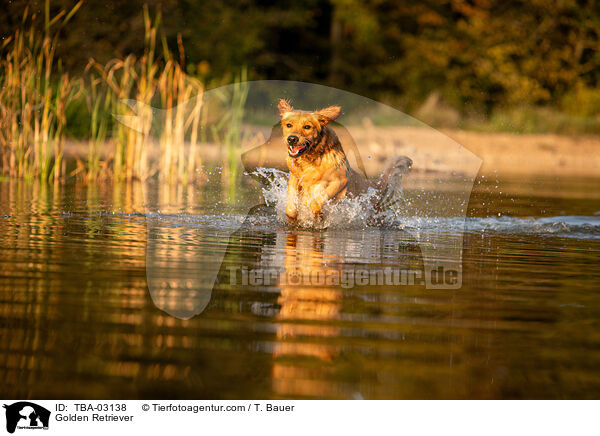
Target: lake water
{"x": 78, "y": 318}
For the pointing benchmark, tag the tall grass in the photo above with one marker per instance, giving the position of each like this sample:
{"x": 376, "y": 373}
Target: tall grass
{"x": 132, "y": 86}
{"x": 99, "y": 103}
{"x": 181, "y": 96}
{"x": 147, "y": 117}
{"x": 228, "y": 130}
{"x": 33, "y": 101}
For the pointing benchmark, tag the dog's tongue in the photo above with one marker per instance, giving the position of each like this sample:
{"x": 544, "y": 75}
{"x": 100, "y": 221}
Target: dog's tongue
{"x": 296, "y": 148}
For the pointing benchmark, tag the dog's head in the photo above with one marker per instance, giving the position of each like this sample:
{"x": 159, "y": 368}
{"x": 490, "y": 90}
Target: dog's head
{"x": 302, "y": 129}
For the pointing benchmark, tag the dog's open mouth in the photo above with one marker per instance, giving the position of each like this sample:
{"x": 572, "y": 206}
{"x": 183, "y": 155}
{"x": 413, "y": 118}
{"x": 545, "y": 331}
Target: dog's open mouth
{"x": 297, "y": 150}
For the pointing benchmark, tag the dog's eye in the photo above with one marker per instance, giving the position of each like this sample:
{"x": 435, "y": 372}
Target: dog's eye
{"x": 307, "y": 127}
{"x": 288, "y": 125}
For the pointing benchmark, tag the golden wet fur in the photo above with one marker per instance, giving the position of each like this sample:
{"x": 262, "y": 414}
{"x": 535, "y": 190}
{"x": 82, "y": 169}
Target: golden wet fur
{"x": 319, "y": 169}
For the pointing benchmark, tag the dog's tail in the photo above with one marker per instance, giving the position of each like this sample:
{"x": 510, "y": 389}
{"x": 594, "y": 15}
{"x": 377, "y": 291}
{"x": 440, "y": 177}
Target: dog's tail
{"x": 391, "y": 183}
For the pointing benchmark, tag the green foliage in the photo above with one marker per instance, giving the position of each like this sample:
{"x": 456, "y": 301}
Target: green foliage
{"x": 534, "y": 119}
{"x": 582, "y": 101}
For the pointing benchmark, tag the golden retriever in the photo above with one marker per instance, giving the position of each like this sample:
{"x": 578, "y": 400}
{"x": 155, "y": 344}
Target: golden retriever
{"x": 318, "y": 168}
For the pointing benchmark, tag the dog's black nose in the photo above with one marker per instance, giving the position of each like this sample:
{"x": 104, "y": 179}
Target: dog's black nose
{"x": 292, "y": 140}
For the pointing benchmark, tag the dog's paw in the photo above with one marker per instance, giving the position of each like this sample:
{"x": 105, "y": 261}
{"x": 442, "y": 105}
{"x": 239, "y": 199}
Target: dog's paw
{"x": 315, "y": 208}
{"x": 291, "y": 213}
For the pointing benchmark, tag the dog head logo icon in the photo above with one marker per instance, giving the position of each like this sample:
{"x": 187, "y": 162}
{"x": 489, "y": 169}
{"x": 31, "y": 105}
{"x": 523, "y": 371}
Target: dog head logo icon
{"x": 26, "y": 415}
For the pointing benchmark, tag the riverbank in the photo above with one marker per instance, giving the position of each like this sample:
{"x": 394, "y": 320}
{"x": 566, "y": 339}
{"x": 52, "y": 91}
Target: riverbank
{"x": 502, "y": 154}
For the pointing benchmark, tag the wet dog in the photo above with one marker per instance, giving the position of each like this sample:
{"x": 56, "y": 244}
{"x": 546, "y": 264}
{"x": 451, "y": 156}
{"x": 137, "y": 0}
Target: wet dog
{"x": 319, "y": 171}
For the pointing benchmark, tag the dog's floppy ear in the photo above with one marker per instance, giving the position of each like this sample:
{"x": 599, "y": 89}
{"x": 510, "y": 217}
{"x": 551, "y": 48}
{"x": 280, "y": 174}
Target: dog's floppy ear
{"x": 328, "y": 114}
{"x": 284, "y": 107}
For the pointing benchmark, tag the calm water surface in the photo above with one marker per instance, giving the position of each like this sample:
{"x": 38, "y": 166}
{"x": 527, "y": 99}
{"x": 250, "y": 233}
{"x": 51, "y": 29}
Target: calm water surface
{"x": 77, "y": 319}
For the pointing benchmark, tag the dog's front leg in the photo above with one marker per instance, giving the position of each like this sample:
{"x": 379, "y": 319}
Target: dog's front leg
{"x": 290, "y": 208}
{"x": 324, "y": 192}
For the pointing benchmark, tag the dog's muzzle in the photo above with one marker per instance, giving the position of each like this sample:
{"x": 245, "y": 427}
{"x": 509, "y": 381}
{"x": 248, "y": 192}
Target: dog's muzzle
{"x": 295, "y": 149}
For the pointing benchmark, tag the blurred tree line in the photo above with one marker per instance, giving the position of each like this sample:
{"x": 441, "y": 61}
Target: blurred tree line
{"x": 476, "y": 55}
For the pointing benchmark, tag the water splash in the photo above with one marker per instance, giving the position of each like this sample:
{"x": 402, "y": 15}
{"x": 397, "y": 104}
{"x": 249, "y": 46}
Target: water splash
{"x": 355, "y": 212}
{"x": 358, "y": 212}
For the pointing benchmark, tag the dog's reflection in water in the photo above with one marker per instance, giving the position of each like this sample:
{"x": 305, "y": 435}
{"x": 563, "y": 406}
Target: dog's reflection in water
{"x": 309, "y": 310}
{"x": 305, "y": 296}
{"x": 318, "y": 291}
{"x": 320, "y": 281}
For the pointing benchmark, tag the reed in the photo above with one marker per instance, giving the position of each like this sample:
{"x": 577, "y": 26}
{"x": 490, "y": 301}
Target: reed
{"x": 150, "y": 94}
{"x": 99, "y": 103}
{"x": 182, "y": 99}
{"x": 33, "y": 102}
{"x": 232, "y": 136}
{"x": 131, "y": 86}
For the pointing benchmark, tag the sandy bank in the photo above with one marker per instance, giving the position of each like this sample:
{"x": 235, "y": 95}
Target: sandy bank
{"x": 504, "y": 154}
